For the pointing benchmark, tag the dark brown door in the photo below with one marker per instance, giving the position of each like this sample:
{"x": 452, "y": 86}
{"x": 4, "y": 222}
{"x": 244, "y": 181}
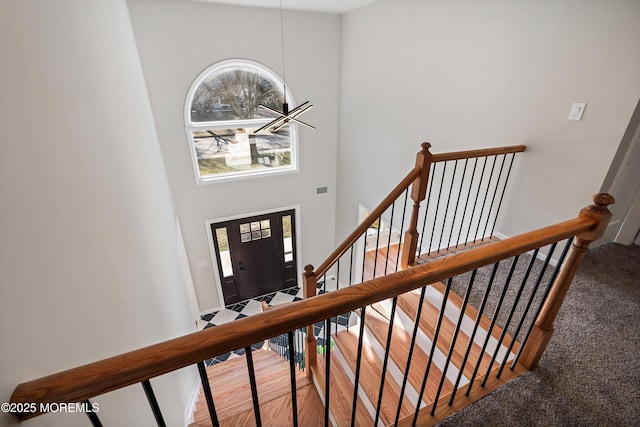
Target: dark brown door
{"x": 256, "y": 255}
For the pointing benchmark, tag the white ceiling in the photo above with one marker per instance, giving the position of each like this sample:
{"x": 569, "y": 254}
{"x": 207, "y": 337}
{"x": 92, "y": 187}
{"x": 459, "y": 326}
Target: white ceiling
{"x": 327, "y": 6}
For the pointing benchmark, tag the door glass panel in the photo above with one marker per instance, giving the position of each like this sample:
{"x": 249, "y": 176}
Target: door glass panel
{"x": 223, "y": 250}
{"x": 286, "y": 236}
{"x": 255, "y": 226}
{"x": 244, "y": 228}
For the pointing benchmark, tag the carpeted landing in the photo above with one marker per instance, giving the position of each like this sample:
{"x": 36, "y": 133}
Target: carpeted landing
{"x": 590, "y": 372}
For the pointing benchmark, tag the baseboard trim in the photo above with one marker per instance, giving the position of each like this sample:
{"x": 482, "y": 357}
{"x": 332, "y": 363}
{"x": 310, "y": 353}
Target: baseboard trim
{"x": 191, "y": 403}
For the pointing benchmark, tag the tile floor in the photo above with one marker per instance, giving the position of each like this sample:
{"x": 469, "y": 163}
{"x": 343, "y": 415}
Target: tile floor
{"x": 254, "y": 306}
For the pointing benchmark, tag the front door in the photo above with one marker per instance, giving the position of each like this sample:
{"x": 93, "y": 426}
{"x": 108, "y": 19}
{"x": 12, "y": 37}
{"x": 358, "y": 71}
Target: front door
{"x": 256, "y": 255}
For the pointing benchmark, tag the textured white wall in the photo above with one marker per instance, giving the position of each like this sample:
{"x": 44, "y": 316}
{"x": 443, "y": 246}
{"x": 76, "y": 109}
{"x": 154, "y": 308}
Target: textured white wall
{"x": 88, "y": 262}
{"x": 464, "y": 74}
{"x": 177, "y": 40}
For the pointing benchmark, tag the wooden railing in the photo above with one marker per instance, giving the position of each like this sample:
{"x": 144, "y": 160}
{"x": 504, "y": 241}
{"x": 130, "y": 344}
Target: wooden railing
{"x": 139, "y": 366}
{"x": 428, "y": 177}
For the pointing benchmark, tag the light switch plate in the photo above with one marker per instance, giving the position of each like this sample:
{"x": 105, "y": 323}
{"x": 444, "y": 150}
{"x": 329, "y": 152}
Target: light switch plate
{"x": 576, "y": 110}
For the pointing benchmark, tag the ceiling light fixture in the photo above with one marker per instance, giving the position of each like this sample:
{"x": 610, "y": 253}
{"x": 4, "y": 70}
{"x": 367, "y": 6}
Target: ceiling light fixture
{"x": 285, "y": 116}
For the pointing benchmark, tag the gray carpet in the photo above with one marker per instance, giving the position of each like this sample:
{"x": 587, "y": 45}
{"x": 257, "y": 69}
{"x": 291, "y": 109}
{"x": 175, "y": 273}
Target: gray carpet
{"x": 590, "y": 372}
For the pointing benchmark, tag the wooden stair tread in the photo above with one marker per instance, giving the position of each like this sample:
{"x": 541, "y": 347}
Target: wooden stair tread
{"x": 341, "y": 395}
{"x": 371, "y": 376}
{"x": 472, "y": 312}
{"x": 409, "y": 302}
{"x": 231, "y": 389}
{"x": 399, "y": 353}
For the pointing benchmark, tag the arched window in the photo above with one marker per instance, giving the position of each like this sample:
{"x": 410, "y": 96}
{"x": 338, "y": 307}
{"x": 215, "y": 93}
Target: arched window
{"x": 222, "y": 111}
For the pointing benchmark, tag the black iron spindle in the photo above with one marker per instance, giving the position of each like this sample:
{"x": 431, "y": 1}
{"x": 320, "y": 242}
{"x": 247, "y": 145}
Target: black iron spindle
{"x": 493, "y": 199}
{"x": 485, "y": 298}
{"x": 504, "y": 188}
{"x": 93, "y": 416}
{"x": 386, "y": 358}
{"x": 512, "y": 312}
{"x": 446, "y": 210}
{"x": 494, "y": 318}
{"x": 153, "y": 402}
{"x": 544, "y": 298}
{"x": 445, "y": 298}
{"x": 375, "y": 254}
{"x": 426, "y": 209}
{"x": 254, "y": 385}
{"x": 412, "y": 345}
{"x": 435, "y": 216}
{"x": 327, "y": 373}
{"x": 475, "y": 200}
{"x": 358, "y": 363}
{"x": 526, "y": 310}
{"x": 206, "y": 387}
{"x": 351, "y": 266}
{"x": 466, "y": 202}
{"x": 292, "y": 372}
{"x": 455, "y": 211}
{"x": 452, "y": 345}
{"x": 486, "y": 194}
{"x": 386, "y": 261}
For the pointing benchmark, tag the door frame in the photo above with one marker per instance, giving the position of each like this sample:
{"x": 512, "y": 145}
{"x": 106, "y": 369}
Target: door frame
{"x": 212, "y": 248}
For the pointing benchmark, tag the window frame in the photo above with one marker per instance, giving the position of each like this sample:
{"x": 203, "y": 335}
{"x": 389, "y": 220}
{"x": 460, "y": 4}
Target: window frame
{"x": 191, "y": 126}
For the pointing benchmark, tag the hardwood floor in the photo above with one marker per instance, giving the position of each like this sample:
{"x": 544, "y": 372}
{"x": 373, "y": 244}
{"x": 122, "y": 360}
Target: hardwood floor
{"x": 231, "y": 391}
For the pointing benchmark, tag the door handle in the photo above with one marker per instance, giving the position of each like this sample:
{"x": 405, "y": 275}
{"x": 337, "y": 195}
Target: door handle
{"x": 241, "y": 266}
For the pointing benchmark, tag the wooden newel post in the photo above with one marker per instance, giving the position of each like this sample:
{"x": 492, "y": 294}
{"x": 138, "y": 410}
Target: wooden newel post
{"x": 309, "y": 290}
{"x": 543, "y": 328}
{"x": 418, "y": 193}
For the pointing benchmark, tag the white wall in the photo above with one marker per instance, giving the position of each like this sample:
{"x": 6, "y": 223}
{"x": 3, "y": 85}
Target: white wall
{"x": 88, "y": 262}
{"x": 177, "y": 40}
{"x": 464, "y": 74}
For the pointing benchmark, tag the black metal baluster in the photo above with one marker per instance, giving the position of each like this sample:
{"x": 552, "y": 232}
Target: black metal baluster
{"x": 512, "y": 312}
{"x": 351, "y": 266}
{"x": 484, "y": 202}
{"x": 475, "y": 201}
{"x": 292, "y": 372}
{"x": 404, "y": 211}
{"x": 254, "y": 385}
{"x": 338, "y": 274}
{"x": 455, "y": 211}
{"x": 446, "y": 210}
{"x": 375, "y": 254}
{"x": 480, "y": 313}
{"x": 445, "y": 298}
{"x": 386, "y": 358}
{"x": 426, "y": 208}
{"x": 386, "y": 261}
{"x": 504, "y": 188}
{"x": 544, "y": 298}
{"x": 466, "y": 202}
{"x": 153, "y": 402}
{"x": 435, "y": 216}
{"x": 493, "y": 199}
{"x": 411, "y": 347}
{"x": 327, "y": 372}
{"x": 358, "y": 363}
{"x": 452, "y": 346}
{"x": 494, "y": 318}
{"x": 526, "y": 310}
{"x": 206, "y": 387}
{"x": 364, "y": 256}
{"x": 93, "y": 417}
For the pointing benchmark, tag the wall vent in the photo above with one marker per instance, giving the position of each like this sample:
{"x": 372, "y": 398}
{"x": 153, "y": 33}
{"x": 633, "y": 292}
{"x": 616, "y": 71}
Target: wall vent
{"x": 322, "y": 190}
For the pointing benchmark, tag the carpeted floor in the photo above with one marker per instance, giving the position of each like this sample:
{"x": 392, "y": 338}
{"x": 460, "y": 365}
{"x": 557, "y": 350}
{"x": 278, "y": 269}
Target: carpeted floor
{"x": 590, "y": 372}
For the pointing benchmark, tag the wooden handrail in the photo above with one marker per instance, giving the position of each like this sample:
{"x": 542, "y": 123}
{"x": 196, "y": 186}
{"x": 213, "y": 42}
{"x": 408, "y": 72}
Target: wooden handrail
{"x": 483, "y": 152}
{"x": 411, "y": 177}
{"x": 96, "y": 378}
{"x": 368, "y": 221}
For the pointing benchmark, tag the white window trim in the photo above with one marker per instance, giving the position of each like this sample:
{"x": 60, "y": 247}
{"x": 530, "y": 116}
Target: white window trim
{"x": 190, "y": 126}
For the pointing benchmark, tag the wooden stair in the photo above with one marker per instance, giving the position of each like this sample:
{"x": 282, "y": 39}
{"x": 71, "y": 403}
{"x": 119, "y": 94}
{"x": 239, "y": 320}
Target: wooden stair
{"x": 376, "y": 322}
{"x": 229, "y": 382}
{"x": 232, "y": 395}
